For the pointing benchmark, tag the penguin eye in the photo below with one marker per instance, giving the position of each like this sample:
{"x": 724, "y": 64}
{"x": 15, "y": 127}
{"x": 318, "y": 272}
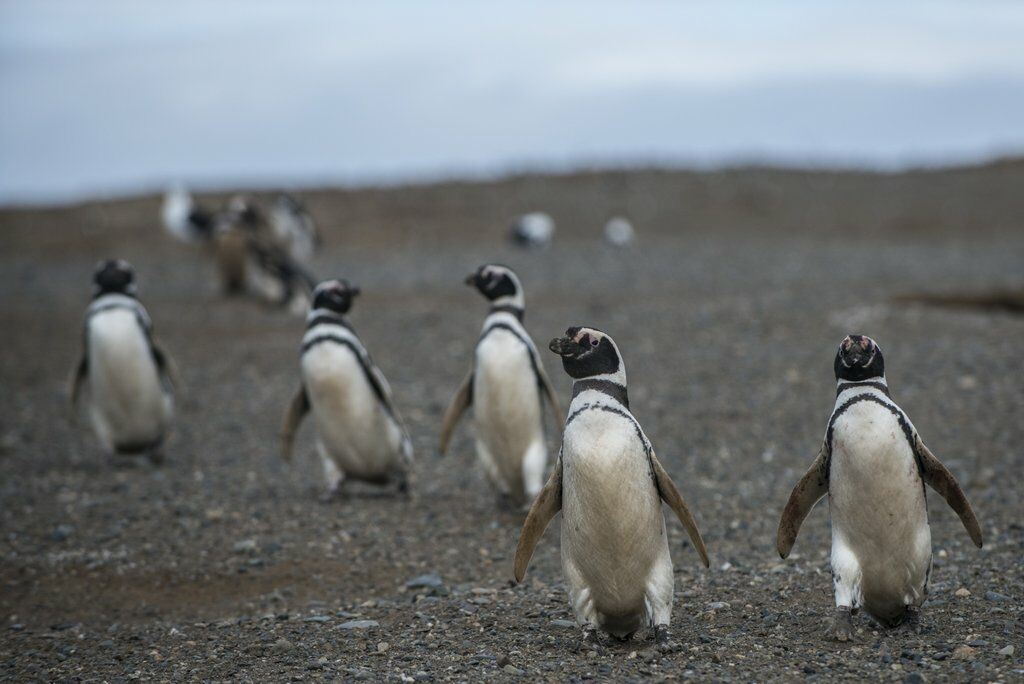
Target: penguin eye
{"x": 594, "y": 341}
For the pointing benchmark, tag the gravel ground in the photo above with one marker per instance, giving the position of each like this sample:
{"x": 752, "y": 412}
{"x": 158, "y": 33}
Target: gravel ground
{"x": 223, "y": 564}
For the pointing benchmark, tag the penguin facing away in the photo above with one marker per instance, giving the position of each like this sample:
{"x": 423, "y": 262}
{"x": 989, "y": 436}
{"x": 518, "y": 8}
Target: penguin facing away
{"x": 129, "y": 378}
{"x": 609, "y": 486}
{"x": 504, "y": 386}
{"x": 360, "y": 435}
{"x": 873, "y": 466}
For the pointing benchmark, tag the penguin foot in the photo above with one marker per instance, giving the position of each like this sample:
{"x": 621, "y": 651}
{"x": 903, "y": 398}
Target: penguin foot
{"x": 591, "y": 640}
{"x": 841, "y": 628}
{"x": 912, "y": 622}
{"x": 663, "y": 639}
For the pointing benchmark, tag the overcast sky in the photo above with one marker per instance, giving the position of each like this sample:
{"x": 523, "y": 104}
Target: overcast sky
{"x": 116, "y": 97}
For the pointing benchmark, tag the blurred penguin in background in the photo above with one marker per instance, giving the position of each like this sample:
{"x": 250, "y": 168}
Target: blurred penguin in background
{"x": 249, "y": 261}
{"x": 184, "y": 219}
{"x": 293, "y": 228}
{"x": 619, "y": 232}
{"x": 128, "y": 376}
{"x": 533, "y": 231}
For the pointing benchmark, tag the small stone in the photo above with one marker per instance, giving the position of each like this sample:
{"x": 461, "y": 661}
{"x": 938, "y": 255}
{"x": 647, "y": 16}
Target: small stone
{"x": 996, "y": 596}
{"x": 563, "y": 623}
{"x": 964, "y": 652}
{"x": 1008, "y": 651}
{"x": 512, "y": 670}
{"x": 317, "y": 618}
{"x": 383, "y": 646}
{"x": 61, "y": 532}
{"x": 914, "y": 678}
{"x": 432, "y": 582}
{"x": 962, "y": 592}
{"x": 359, "y": 624}
{"x": 282, "y": 645}
{"x": 245, "y": 546}
{"x": 503, "y": 660}
{"x": 718, "y": 605}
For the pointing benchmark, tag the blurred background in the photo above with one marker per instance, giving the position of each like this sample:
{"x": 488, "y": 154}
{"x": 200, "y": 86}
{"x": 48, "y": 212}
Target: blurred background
{"x": 728, "y": 189}
{"x": 115, "y": 97}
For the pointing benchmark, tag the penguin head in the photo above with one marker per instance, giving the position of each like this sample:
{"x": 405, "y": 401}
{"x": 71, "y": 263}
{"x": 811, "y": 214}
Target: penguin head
{"x": 859, "y": 358}
{"x": 335, "y": 295}
{"x": 498, "y": 283}
{"x": 114, "y": 276}
{"x": 588, "y": 353}
{"x": 241, "y": 211}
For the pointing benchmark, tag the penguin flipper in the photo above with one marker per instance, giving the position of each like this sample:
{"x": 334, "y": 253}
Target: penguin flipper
{"x": 670, "y": 494}
{"x": 941, "y": 480}
{"x": 165, "y": 365}
{"x": 808, "y": 491}
{"x": 545, "y": 382}
{"x": 544, "y": 508}
{"x": 297, "y": 410}
{"x": 460, "y": 402}
{"x": 78, "y": 376}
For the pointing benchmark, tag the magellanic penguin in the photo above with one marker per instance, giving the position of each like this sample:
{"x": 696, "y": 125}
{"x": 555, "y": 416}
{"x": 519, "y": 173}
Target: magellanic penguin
{"x": 609, "y": 486}
{"x": 534, "y": 230}
{"x": 873, "y": 466}
{"x": 360, "y": 433}
{"x": 504, "y": 385}
{"x": 294, "y": 229}
{"x": 250, "y": 261}
{"x": 184, "y": 219}
{"x": 128, "y": 376}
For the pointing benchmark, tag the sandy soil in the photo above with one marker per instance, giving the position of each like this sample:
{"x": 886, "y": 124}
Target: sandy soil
{"x": 223, "y": 564}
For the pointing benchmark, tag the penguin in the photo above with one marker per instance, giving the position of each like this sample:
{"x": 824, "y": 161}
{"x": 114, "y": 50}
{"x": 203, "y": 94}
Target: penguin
{"x": 534, "y": 230}
{"x": 293, "y": 228}
{"x": 609, "y": 486}
{"x": 873, "y": 466}
{"x": 184, "y": 219}
{"x": 130, "y": 378}
{"x": 360, "y": 433}
{"x": 504, "y": 385}
{"x": 619, "y": 232}
{"x": 249, "y": 261}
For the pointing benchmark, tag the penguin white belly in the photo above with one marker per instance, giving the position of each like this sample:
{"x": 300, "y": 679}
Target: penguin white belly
{"x": 615, "y": 552}
{"x": 507, "y": 413}
{"x": 352, "y": 425}
{"x": 881, "y": 542}
{"x": 129, "y": 407}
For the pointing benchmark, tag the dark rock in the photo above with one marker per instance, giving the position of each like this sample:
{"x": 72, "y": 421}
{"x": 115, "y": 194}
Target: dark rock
{"x": 996, "y": 596}
{"x": 359, "y": 624}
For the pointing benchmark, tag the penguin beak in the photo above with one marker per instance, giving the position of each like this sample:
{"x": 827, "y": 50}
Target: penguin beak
{"x": 354, "y": 291}
{"x": 565, "y": 346}
{"x": 470, "y": 279}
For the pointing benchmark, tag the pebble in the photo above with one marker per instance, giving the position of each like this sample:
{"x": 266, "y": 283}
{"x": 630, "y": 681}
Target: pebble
{"x": 359, "y": 624}
{"x": 383, "y": 646}
{"x": 964, "y": 652}
{"x": 563, "y": 623}
{"x": 1007, "y": 651}
{"x": 914, "y": 678}
{"x": 282, "y": 645}
{"x": 61, "y": 532}
{"x": 317, "y": 618}
{"x": 244, "y": 546}
{"x": 996, "y": 596}
{"x": 425, "y": 582}
{"x": 718, "y": 605}
{"x": 962, "y": 592}
{"x": 512, "y": 670}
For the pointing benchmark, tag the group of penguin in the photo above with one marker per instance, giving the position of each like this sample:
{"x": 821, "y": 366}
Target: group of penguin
{"x": 606, "y": 480}
{"x": 263, "y": 252}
